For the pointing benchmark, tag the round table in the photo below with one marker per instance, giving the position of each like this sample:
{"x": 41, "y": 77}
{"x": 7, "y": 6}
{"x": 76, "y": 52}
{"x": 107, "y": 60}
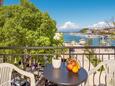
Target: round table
{"x": 62, "y": 76}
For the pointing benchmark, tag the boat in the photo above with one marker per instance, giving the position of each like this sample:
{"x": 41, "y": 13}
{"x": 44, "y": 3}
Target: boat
{"x": 82, "y": 42}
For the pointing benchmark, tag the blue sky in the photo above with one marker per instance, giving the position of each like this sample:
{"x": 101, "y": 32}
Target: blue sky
{"x": 80, "y": 13}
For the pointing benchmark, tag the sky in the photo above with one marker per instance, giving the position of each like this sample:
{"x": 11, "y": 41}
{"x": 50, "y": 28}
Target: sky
{"x": 75, "y": 13}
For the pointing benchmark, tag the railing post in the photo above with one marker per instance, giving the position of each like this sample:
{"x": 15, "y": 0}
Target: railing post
{"x": 69, "y": 52}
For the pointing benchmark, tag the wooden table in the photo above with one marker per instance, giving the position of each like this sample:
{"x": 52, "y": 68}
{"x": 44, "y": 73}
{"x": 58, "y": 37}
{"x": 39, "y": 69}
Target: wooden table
{"x": 64, "y": 77}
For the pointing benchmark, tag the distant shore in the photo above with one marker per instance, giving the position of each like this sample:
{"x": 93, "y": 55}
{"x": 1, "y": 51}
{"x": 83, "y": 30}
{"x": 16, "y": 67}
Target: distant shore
{"x": 95, "y": 40}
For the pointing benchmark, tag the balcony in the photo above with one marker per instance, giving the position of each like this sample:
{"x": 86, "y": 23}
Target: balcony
{"x": 89, "y": 57}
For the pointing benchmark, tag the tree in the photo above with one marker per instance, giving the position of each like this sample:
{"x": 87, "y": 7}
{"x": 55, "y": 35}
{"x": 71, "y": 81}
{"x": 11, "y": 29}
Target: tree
{"x": 84, "y": 30}
{"x": 20, "y": 25}
{"x": 25, "y": 25}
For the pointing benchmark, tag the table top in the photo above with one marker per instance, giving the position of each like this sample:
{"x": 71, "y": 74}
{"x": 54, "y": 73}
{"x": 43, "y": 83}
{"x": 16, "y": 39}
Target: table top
{"x": 62, "y": 76}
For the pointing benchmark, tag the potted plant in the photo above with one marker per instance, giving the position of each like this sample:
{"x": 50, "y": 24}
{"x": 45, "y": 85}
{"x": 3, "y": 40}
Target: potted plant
{"x": 56, "y": 60}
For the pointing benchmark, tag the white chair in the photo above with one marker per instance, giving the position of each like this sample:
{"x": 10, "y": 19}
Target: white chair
{"x": 6, "y": 72}
{"x": 1, "y": 60}
{"x": 109, "y": 67}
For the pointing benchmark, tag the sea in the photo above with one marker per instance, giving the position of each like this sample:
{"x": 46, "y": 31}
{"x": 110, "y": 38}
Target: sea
{"x": 96, "y": 40}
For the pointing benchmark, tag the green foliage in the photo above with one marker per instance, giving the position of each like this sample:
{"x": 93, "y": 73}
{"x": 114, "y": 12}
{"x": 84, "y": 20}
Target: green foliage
{"x": 25, "y": 25}
{"x": 89, "y": 41}
{"x": 84, "y": 30}
{"x": 20, "y": 25}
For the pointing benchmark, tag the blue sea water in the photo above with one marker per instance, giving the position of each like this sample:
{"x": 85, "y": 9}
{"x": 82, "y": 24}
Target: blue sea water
{"x": 96, "y": 41}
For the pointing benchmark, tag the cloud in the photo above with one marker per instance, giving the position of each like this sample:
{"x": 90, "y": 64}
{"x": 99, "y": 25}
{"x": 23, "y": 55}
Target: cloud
{"x": 69, "y": 25}
{"x": 101, "y": 25}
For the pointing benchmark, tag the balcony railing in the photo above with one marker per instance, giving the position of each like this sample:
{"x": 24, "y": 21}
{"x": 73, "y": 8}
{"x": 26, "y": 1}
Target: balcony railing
{"x": 89, "y": 57}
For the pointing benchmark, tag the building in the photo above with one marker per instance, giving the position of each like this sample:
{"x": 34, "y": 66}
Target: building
{"x": 1, "y": 2}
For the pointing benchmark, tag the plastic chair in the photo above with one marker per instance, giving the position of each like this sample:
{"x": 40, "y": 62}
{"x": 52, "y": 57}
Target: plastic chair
{"x": 6, "y": 70}
{"x": 109, "y": 67}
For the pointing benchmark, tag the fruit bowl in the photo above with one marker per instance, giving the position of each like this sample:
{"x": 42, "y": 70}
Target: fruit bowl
{"x": 73, "y": 65}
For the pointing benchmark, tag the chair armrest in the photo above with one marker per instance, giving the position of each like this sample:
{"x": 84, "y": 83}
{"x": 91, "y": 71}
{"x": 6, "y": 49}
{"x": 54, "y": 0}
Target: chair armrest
{"x": 96, "y": 68}
{"x": 2, "y": 84}
{"x": 93, "y": 71}
{"x": 30, "y": 75}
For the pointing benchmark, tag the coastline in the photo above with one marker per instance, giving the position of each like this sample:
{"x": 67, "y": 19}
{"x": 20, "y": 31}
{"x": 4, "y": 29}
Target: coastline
{"x": 95, "y": 40}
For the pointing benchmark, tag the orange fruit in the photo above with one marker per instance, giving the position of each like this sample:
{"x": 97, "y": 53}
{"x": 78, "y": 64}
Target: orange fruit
{"x": 69, "y": 67}
{"x": 73, "y": 63}
{"x": 75, "y": 69}
{"x": 70, "y": 60}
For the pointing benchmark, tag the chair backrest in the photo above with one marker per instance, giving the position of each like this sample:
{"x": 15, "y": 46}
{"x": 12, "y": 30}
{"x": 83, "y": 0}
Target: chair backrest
{"x": 109, "y": 66}
{"x": 5, "y": 74}
{"x": 110, "y": 72}
{"x": 1, "y": 60}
